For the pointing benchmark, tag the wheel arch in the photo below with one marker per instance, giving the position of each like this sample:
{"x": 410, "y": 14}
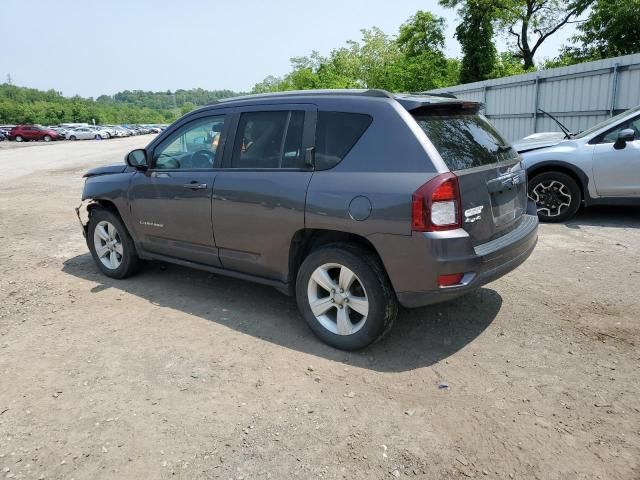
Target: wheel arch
{"x": 89, "y": 205}
{"x": 306, "y": 240}
{"x": 574, "y": 172}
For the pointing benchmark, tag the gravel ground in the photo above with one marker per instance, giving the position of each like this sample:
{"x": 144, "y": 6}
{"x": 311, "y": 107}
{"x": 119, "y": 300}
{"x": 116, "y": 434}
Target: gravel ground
{"x": 176, "y": 373}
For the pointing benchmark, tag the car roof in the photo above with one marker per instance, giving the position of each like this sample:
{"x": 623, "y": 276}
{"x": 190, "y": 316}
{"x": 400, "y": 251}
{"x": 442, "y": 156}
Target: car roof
{"x": 410, "y": 101}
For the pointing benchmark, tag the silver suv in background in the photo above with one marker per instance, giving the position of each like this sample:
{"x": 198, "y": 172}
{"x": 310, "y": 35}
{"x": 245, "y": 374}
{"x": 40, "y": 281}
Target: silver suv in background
{"x": 354, "y": 201}
{"x": 599, "y": 166}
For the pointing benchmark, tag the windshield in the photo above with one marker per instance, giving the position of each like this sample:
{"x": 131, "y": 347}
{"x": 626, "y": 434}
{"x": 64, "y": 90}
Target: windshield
{"x": 465, "y": 140}
{"x": 604, "y": 124}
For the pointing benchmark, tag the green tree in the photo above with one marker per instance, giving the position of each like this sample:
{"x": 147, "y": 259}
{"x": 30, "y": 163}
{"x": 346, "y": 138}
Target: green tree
{"x": 186, "y": 108}
{"x": 508, "y": 64}
{"x": 423, "y": 64}
{"x": 28, "y": 105}
{"x": 612, "y": 29}
{"x": 269, "y": 84}
{"x": 475, "y": 34}
{"x": 529, "y": 23}
{"x": 414, "y": 61}
{"x": 423, "y": 32}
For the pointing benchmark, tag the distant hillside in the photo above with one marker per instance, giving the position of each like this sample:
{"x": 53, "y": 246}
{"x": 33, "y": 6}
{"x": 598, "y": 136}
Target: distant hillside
{"x": 29, "y": 105}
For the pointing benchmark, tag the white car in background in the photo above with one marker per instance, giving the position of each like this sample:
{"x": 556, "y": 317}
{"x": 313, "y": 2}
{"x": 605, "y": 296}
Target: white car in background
{"x": 110, "y": 130}
{"x": 87, "y": 133}
{"x": 120, "y": 132}
{"x": 599, "y": 166}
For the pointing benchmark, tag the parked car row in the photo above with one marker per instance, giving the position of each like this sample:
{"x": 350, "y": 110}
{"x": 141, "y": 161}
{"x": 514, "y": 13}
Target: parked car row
{"x": 26, "y": 133}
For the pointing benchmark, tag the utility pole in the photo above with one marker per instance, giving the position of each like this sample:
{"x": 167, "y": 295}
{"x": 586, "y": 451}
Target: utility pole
{"x": 9, "y": 80}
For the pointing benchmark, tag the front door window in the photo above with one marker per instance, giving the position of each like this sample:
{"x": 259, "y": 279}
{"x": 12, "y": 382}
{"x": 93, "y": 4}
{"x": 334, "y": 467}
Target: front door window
{"x": 195, "y": 146}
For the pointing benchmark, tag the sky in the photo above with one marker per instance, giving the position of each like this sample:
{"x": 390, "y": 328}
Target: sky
{"x": 106, "y": 46}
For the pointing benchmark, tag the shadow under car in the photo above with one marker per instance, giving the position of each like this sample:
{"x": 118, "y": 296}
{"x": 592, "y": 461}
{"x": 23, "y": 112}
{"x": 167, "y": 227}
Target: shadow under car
{"x": 419, "y": 338}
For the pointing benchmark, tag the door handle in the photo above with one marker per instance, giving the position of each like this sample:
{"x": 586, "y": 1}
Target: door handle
{"x": 195, "y": 186}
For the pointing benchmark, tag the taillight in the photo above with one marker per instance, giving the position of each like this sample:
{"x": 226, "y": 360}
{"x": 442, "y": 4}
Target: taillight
{"x": 435, "y": 206}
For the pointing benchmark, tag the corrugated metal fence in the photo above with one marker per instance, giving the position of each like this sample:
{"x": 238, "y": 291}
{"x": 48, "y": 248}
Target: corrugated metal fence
{"x": 579, "y": 96}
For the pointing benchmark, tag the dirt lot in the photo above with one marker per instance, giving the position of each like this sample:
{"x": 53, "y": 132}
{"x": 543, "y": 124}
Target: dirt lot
{"x": 182, "y": 374}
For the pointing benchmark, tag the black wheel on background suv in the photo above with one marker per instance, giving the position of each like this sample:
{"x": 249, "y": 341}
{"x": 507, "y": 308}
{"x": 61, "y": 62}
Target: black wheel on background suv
{"x": 111, "y": 245}
{"x": 345, "y": 296}
{"x": 557, "y": 196}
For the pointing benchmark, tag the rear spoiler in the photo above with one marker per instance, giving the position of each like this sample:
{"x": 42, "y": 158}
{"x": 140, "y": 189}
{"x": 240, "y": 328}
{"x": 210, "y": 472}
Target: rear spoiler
{"x": 429, "y": 94}
{"x": 427, "y": 101}
{"x": 460, "y": 106}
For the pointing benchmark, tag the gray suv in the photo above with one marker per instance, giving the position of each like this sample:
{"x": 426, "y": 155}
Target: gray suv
{"x": 354, "y": 201}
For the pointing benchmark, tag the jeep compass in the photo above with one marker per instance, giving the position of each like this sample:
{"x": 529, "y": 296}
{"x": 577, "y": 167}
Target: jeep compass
{"x": 354, "y": 201}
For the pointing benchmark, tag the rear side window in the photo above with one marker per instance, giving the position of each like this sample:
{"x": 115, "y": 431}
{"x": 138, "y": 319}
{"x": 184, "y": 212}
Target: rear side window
{"x": 269, "y": 140}
{"x": 464, "y": 140}
{"x": 336, "y": 134}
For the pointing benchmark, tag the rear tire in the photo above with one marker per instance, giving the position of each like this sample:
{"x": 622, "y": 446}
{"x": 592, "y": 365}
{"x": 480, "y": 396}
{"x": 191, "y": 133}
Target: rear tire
{"x": 110, "y": 244}
{"x": 557, "y": 196}
{"x": 19, "y": 138}
{"x": 352, "y": 298}
{"x": 72, "y": 137}
{"x": 98, "y": 137}
{"x": 47, "y": 138}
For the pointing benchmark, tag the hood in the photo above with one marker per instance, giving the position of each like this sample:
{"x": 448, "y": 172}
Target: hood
{"x": 107, "y": 170}
{"x": 538, "y": 140}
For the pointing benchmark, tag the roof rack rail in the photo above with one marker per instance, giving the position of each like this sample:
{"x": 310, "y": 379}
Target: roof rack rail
{"x": 429, "y": 94}
{"x": 377, "y": 92}
{"x": 372, "y": 92}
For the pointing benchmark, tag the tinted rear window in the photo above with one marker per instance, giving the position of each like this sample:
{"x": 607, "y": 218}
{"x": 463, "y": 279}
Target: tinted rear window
{"x": 465, "y": 140}
{"x": 336, "y": 134}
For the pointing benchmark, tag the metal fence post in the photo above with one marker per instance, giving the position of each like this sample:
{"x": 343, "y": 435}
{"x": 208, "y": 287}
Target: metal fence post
{"x": 535, "y": 105}
{"x": 614, "y": 92}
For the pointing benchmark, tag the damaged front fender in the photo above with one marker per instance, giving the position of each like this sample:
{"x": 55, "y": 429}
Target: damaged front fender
{"x": 83, "y": 212}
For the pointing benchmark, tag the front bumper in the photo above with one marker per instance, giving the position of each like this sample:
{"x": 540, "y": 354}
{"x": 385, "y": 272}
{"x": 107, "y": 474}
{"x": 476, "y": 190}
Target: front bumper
{"x": 414, "y": 268}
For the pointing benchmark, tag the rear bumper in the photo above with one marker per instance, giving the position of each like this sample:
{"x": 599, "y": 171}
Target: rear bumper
{"x": 425, "y": 256}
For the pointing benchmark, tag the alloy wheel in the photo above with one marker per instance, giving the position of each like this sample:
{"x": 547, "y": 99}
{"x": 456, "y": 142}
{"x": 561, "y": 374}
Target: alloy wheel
{"x": 552, "y": 197}
{"x": 338, "y": 299}
{"x": 108, "y": 244}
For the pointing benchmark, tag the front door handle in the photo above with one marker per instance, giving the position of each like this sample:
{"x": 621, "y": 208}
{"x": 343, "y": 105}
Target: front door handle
{"x": 195, "y": 186}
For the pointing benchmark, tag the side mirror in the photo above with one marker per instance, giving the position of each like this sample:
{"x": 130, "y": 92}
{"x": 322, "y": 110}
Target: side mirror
{"x": 137, "y": 159}
{"x": 626, "y": 135}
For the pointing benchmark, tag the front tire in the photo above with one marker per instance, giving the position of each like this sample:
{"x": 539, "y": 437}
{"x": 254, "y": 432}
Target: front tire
{"x": 72, "y": 138}
{"x": 98, "y": 137}
{"x": 47, "y": 138}
{"x": 345, "y": 296}
{"x": 19, "y": 138}
{"x": 557, "y": 196}
{"x": 110, "y": 244}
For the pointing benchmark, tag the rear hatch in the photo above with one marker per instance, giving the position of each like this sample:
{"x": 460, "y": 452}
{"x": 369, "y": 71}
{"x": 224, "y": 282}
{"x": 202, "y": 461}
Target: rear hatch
{"x": 492, "y": 181}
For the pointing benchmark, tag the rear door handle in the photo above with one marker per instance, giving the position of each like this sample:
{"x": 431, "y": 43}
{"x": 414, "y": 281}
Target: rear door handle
{"x": 195, "y": 186}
